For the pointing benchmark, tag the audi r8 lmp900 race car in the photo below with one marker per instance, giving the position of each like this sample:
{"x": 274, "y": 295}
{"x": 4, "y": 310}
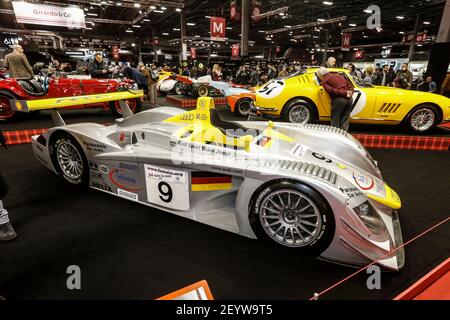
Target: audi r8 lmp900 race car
{"x": 309, "y": 188}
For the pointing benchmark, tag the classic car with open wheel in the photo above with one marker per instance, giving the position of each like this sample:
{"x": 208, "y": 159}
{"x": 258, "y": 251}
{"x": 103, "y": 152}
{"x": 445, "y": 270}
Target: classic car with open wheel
{"x": 55, "y": 86}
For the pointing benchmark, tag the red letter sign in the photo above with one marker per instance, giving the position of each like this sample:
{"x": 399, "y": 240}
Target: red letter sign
{"x": 217, "y": 27}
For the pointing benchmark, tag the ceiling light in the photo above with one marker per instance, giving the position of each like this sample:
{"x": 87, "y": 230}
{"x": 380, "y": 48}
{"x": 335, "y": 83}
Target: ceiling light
{"x": 146, "y": 20}
{"x": 152, "y": 7}
{"x": 158, "y": 11}
{"x": 281, "y": 14}
{"x": 352, "y": 25}
{"x": 165, "y": 33}
{"x": 86, "y": 9}
{"x": 321, "y": 20}
{"x": 190, "y": 24}
{"x": 328, "y": 3}
{"x": 176, "y": 29}
{"x": 368, "y": 11}
{"x": 129, "y": 31}
{"x": 229, "y": 28}
{"x": 136, "y": 26}
{"x": 427, "y": 22}
{"x": 400, "y": 17}
{"x": 118, "y": 4}
{"x": 133, "y": 44}
{"x": 288, "y": 26}
{"x": 92, "y": 14}
{"x": 163, "y": 8}
{"x": 137, "y": 5}
{"x": 178, "y": 10}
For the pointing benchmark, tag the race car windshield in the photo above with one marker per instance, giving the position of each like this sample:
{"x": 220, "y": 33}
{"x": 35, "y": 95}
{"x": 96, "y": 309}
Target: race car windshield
{"x": 360, "y": 82}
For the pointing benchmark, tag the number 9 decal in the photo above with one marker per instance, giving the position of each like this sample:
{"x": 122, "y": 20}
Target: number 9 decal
{"x": 166, "y": 192}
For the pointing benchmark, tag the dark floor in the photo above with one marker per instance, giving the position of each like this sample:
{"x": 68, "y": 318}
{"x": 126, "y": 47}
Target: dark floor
{"x": 43, "y": 120}
{"x": 129, "y": 251}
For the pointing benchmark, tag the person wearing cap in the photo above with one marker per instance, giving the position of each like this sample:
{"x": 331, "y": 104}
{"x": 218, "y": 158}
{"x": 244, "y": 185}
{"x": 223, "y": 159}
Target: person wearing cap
{"x": 17, "y": 64}
{"x": 341, "y": 93}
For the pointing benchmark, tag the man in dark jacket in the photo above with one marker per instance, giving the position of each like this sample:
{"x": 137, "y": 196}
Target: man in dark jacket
{"x": 341, "y": 92}
{"x": 138, "y": 77}
{"x": 7, "y": 232}
{"x": 97, "y": 68}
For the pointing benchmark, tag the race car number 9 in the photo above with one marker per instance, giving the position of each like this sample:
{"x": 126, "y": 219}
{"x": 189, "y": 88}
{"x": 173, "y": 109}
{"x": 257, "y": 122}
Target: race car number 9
{"x": 271, "y": 90}
{"x": 167, "y": 187}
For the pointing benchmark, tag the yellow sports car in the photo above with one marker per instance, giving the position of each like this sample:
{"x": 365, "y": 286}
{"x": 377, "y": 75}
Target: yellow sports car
{"x": 299, "y": 98}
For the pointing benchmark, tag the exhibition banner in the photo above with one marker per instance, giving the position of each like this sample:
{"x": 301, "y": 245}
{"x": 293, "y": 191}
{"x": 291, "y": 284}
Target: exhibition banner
{"x": 48, "y": 15}
{"x": 217, "y": 26}
{"x": 346, "y": 41}
{"x": 193, "y": 53}
{"x": 235, "y": 51}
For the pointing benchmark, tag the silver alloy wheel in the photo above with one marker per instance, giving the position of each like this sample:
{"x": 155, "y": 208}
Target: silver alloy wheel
{"x": 244, "y": 107}
{"x": 299, "y": 114}
{"x": 423, "y": 119}
{"x": 69, "y": 160}
{"x": 203, "y": 91}
{"x": 290, "y": 218}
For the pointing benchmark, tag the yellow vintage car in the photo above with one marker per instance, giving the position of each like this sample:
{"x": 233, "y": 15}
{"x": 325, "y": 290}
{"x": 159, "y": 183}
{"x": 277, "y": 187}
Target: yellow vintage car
{"x": 299, "y": 98}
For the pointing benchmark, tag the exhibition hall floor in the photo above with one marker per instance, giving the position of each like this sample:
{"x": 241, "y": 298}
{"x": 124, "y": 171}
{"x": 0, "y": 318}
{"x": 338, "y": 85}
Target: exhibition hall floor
{"x": 130, "y": 251}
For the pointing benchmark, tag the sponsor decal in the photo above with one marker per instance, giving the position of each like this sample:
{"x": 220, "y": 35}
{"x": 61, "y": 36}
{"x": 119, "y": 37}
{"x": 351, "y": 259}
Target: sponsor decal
{"x": 101, "y": 186}
{"x": 321, "y": 157}
{"x": 120, "y": 178}
{"x": 127, "y": 195}
{"x": 263, "y": 141}
{"x": 299, "y": 150}
{"x": 351, "y": 192}
{"x": 228, "y": 170}
{"x": 127, "y": 166}
{"x": 104, "y": 169}
{"x": 95, "y": 147}
{"x": 341, "y": 166}
{"x": 209, "y": 181}
{"x": 365, "y": 182}
{"x": 93, "y": 166}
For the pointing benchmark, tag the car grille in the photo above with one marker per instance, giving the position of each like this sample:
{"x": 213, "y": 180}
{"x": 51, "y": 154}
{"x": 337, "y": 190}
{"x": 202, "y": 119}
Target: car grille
{"x": 390, "y": 108}
{"x": 303, "y": 167}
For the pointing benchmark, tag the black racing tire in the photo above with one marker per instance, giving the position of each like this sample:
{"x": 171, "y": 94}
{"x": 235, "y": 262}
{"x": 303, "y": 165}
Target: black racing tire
{"x": 429, "y": 111}
{"x": 318, "y": 213}
{"x": 6, "y": 112}
{"x": 63, "y": 144}
{"x": 134, "y": 104}
{"x": 301, "y": 110}
{"x": 177, "y": 89}
{"x": 243, "y": 107}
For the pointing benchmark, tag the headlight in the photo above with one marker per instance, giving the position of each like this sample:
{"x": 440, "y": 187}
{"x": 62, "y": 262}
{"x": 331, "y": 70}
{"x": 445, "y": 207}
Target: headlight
{"x": 369, "y": 216}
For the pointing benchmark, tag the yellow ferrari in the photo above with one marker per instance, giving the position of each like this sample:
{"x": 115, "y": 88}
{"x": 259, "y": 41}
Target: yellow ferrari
{"x": 300, "y": 98}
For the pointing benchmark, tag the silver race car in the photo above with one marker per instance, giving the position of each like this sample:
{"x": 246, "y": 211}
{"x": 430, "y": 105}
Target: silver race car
{"x": 311, "y": 188}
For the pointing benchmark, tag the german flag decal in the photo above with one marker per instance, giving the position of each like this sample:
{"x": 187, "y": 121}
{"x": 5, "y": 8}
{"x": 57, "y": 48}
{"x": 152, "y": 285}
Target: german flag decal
{"x": 209, "y": 181}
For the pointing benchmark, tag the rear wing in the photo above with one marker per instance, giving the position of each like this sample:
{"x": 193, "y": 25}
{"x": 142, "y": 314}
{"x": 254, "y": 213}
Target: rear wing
{"x": 55, "y": 103}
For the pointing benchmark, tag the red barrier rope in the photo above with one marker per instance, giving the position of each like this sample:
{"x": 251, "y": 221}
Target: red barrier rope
{"x": 317, "y": 295}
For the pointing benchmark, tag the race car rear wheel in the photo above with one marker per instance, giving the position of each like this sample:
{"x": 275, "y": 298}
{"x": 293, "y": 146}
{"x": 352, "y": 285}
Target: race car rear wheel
{"x": 422, "y": 119}
{"x": 202, "y": 91}
{"x": 293, "y": 215}
{"x": 243, "y": 107}
{"x": 6, "y": 112}
{"x": 70, "y": 160}
{"x": 299, "y": 112}
{"x": 134, "y": 104}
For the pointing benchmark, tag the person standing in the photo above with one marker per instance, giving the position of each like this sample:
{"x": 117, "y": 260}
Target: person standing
{"x": 138, "y": 77}
{"x": 17, "y": 64}
{"x": 368, "y": 75}
{"x": 384, "y": 77}
{"x": 152, "y": 76}
{"x": 216, "y": 73}
{"x": 97, "y": 68}
{"x": 331, "y": 62}
{"x": 7, "y": 232}
{"x": 404, "y": 78}
{"x": 445, "y": 88}
{"x": 341, "y": 93}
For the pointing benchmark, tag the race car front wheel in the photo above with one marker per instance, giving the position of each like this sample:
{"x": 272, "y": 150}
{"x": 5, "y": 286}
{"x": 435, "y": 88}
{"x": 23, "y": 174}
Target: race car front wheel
{"x": 293, "y": 215}
{"x": 70, "y": 159}
{"x": 422, "y": 119}
{"x": 6, "y": 112}
{"x": 299, "y": 112}
{"x": 243, "y": 107}
{"x": 177, "y": 89}
{"x": 134, "y": 104}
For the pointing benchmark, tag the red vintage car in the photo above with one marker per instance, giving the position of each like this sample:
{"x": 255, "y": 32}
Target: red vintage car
{"x": 62, "y": 86}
